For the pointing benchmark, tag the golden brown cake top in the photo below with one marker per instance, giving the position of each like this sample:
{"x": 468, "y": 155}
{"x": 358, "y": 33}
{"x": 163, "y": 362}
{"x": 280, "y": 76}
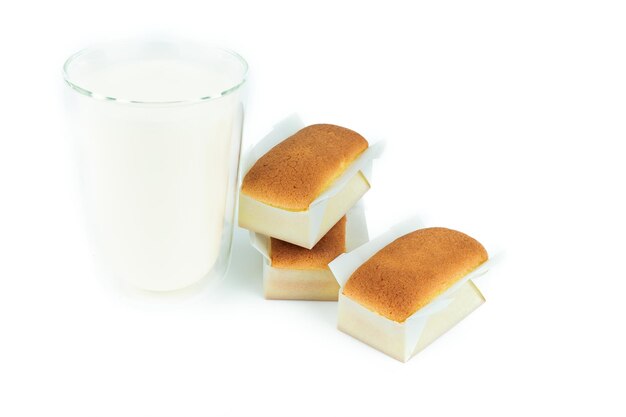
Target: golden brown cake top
{"x": 295, "y": 172}
{"x": 289, "y": 256}
{"x": 411, "y": 271}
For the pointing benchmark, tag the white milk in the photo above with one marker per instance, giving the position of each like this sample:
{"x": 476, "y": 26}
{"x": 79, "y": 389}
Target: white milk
{"x": 159, "y": 179}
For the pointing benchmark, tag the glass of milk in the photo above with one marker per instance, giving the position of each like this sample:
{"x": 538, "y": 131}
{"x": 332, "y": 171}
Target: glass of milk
{"x": 158, "y": 134}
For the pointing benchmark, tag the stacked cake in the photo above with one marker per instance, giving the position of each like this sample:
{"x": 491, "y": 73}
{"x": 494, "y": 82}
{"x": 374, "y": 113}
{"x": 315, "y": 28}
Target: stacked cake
{"x": 299, "y": 200}
{"x": 398, "y": 293}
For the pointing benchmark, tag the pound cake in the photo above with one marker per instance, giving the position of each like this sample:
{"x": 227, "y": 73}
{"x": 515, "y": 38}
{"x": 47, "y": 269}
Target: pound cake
{"x": 291, "y": 272}
{"x": 278, "y": 191}
{"x": 302, "y": 274}
{"x": 412, "y": 291}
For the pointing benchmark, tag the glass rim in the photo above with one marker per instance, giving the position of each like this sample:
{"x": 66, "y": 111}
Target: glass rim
{"x": 98, "y": 96}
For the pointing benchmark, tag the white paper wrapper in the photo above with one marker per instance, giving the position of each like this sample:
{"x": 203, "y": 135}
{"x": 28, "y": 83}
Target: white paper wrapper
{"x": 356, "y": 235}
{"x": 411, "y": 330}
{"x": 308, "y": 227}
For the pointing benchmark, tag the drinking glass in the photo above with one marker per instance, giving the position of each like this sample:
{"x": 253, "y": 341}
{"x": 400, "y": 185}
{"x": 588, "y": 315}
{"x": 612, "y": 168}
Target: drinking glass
{"x": 157, "y": 128}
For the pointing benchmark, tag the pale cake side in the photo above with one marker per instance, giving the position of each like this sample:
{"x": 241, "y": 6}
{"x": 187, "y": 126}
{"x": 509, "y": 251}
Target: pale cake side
{"x": 411, "y": 271}
{"x": 295, "y": 172}
{"x": 293, "y": 284}
{"x": 289, "y": 256}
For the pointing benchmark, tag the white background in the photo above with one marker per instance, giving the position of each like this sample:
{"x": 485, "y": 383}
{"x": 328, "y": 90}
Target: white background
{"x": 505, "y": 120}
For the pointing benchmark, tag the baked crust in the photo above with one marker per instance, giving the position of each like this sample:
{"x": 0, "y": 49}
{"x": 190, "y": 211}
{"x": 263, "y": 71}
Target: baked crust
{"x": 289, "y": 256}
{"x": 414, "y": 269}
{"x": 295, "y": 172}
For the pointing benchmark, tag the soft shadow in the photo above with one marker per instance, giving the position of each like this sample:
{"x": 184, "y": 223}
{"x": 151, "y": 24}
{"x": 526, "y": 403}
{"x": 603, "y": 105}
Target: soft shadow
{"x": 322, "y": 311}
{"x": 245, "y": 273}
